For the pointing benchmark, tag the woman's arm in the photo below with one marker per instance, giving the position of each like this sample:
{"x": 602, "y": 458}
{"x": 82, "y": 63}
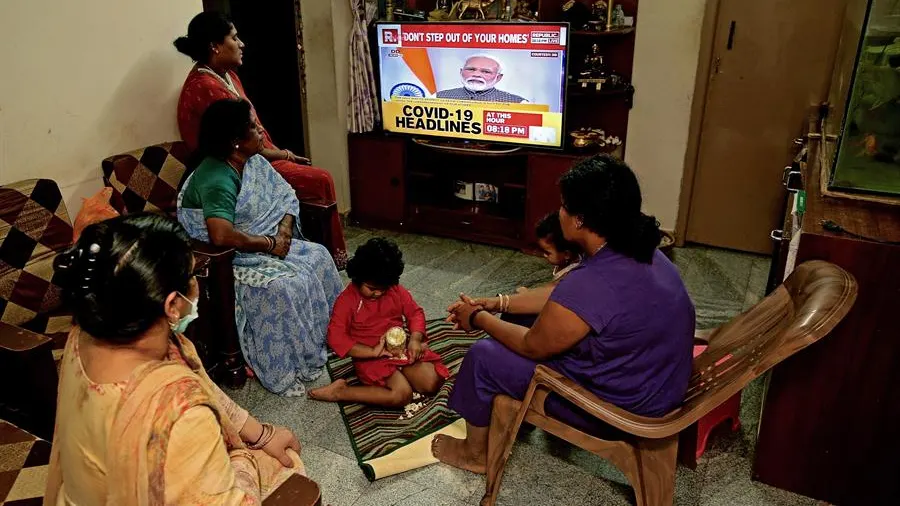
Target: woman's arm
{"x": 235, "y": 413}
{"x": 200, "y": 470}
{"x": 273, "y": 154}
{"x": 556, "y": 330}
{"x": 223, "y": 233}
{"x": 528, "y": 302}
{"x": 286, "y": 227}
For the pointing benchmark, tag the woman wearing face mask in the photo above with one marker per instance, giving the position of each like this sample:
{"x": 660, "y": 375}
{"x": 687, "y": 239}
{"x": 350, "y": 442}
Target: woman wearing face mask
{"x": 138, "y": 421}
{"x": 285, "y": 287}
{"x": 212, "y": 41}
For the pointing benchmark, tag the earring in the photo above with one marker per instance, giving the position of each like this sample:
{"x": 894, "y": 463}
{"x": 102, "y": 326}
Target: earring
{"x": 216, "y": 51}
{"x": 236, "y": 146}
{"x": 579, "y": 224}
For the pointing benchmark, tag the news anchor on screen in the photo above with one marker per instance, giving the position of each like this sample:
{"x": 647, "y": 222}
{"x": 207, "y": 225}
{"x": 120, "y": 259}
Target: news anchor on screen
{"x": 480, "y": 75}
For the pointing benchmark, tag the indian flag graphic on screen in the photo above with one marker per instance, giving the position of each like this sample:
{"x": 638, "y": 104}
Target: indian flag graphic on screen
{"x": 406, "y": 71}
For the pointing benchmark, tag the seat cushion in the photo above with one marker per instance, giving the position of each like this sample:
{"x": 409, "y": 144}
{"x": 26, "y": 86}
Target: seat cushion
{"x": 147, "y": 179}
{"x": 23, "y": 465}
{"x": 34, "y": 227}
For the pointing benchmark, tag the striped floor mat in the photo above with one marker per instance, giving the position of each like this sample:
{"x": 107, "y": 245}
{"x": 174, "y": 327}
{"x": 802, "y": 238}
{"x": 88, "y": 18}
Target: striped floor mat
{"x": 388, "y": 441}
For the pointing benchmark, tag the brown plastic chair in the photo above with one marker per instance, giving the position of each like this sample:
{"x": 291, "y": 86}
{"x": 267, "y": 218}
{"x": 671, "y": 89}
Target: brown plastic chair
{"x": 810, "y": 303}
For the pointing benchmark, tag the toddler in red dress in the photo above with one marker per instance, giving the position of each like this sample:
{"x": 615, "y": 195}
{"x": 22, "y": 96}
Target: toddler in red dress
{"x": 364, "y": 315}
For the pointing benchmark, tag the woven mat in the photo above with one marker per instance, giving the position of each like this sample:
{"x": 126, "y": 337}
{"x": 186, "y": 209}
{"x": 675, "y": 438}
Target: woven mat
{"x": 387, "y": 441}
{"x": 23, "y": 466}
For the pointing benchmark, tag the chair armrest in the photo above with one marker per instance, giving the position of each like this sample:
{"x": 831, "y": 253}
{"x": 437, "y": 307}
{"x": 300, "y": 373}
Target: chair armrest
{"x": 320, "y": 205}
{"x": 641, "y": 426}
{"x": 704, "y": 336}
{"x": 17, "y": 339}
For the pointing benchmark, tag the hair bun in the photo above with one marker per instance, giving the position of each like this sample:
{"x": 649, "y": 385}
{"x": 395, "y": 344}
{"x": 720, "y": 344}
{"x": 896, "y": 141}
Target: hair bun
{"x": 187, "y": 46}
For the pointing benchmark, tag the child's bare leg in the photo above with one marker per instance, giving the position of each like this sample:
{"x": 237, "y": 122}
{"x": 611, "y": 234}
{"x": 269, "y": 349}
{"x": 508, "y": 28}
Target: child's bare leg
{"x": 423, "y": 378}
{"x": 396, "y": 393}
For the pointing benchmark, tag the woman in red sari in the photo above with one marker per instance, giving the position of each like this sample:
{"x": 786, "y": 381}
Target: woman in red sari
{"x": 213, "y": 43}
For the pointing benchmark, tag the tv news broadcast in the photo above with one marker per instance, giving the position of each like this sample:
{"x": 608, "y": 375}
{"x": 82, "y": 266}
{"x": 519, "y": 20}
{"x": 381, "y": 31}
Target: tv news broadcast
{"x": 490, "y": 82}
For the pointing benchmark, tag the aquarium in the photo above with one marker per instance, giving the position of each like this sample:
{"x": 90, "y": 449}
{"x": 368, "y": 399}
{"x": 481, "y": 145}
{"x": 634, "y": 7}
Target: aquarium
{"x": 868, "y": 154}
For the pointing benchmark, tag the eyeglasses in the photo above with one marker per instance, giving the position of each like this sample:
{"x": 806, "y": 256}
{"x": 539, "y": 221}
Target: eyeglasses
{"x": 201, "y": 267}
{"x": 200, "y": 272}
{"x": 487, "y": 72}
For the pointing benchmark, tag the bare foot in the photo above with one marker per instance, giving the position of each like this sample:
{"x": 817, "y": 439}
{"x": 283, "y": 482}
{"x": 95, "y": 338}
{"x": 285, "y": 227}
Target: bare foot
{"x": 454, "y": 452}
{"x": 328, "y": 392}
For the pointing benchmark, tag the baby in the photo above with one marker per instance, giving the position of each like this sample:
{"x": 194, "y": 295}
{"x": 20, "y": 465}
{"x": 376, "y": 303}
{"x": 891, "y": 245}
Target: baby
{"x": 560, "y": 253}
{"x": 367, "y": 324}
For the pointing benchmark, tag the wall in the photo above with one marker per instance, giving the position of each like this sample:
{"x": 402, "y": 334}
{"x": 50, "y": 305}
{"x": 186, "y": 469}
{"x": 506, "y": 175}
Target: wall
{"x": 85, "y": 80}
{"x": 665, "y": 65}
{"x": 326, "y": 42}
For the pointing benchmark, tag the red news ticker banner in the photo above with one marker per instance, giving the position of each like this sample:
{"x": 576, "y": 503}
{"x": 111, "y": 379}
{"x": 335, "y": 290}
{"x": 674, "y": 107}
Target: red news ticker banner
{"x": 513, "y": 36}
{"x": 510, "y": 124}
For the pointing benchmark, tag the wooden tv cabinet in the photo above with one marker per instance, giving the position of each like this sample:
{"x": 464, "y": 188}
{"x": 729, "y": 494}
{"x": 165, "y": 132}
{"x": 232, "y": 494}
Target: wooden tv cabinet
{"x": 397, "y": 184}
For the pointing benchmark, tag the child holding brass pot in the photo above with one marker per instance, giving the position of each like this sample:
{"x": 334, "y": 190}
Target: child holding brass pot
{"x": 368, "y": 325}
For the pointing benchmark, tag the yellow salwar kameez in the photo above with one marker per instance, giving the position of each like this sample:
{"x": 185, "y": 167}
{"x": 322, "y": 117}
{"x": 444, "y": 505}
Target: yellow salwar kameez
{"x": 167, "y": 435}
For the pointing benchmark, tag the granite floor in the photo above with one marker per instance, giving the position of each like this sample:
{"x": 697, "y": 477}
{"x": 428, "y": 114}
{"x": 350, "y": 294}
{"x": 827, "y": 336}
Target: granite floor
{"x": 542, "y": 470}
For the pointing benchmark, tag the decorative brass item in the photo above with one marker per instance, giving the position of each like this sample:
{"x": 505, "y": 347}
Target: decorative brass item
{"x": 395, "y": 341}
{"x": 584, "y": 138}
{"x": 524, "y": 11}
{"x": 461, "y": 6}
{"x": 609, "y": 15}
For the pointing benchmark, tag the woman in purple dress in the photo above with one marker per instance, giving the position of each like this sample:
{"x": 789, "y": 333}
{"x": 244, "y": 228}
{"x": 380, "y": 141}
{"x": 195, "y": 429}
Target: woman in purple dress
{"x": 621, "y": 324}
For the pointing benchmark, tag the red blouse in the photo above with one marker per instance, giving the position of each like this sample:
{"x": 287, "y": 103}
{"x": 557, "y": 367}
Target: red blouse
{"x": 356, "y": 319}
{"x": 201, "y": 89}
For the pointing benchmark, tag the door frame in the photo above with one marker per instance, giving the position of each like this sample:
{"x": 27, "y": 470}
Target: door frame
{"x": 698, "y": 109}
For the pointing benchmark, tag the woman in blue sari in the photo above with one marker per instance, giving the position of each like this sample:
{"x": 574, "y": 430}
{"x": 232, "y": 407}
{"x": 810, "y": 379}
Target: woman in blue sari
{"x": 285, "y": 287}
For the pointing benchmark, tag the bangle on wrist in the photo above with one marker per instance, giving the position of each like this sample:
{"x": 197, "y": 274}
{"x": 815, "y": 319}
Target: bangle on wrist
{"x": 287, "y": 155}
{"x": 265, "y": 438}
{"x": 272, "y": 243}
{"x": 262, "y": 431}
{"x": 472, "y": 319}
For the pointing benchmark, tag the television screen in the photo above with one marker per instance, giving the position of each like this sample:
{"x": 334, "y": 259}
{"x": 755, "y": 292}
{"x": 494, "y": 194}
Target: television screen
{"x": 494, "y": 82}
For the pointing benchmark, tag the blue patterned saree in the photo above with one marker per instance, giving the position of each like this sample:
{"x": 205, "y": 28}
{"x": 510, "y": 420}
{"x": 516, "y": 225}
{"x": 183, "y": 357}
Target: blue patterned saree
{"x": 282, "y": 307}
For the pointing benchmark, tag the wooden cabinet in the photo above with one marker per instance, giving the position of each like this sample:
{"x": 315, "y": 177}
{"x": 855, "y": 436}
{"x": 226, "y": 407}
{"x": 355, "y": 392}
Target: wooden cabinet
{"x": 398, "y": 184}
{"x": 544, "y": 171}
{"x": 830, "y": 415}
{"x": 377, "y": 190}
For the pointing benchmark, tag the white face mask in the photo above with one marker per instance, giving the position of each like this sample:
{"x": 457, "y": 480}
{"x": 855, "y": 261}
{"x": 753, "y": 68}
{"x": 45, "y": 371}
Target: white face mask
{"x": 181, "y": 325}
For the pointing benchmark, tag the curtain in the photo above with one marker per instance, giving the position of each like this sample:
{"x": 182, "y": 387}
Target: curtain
{"x": 363, "y": 111}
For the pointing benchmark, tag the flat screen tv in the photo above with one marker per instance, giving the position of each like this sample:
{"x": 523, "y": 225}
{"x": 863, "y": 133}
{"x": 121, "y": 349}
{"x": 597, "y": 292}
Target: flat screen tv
{"x": 486, "y": 82}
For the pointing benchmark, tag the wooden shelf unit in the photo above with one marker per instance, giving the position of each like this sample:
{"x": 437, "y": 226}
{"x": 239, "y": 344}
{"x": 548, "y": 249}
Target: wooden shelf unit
{"x": 396, "y": 184}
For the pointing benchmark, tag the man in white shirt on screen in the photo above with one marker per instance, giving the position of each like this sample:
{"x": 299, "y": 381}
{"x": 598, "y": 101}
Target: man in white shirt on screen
{"x": 480, "y": 76}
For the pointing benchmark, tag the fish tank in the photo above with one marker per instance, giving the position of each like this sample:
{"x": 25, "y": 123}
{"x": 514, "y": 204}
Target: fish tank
{"x": 867, "y": 158}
